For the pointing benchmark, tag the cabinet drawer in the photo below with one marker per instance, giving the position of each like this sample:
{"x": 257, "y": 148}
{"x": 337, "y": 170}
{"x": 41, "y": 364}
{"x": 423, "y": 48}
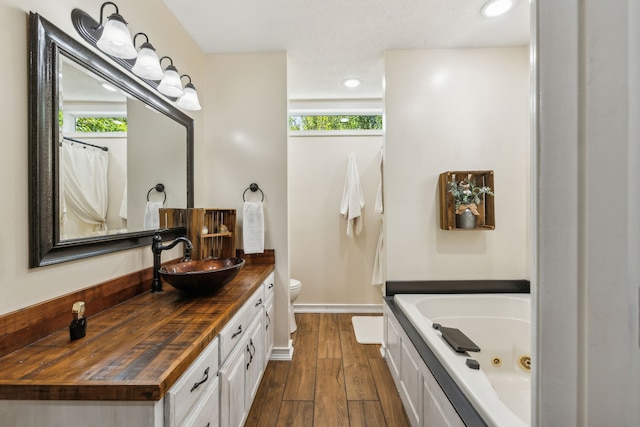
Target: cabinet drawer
{"x": 207, "y": 411}
{"x": 269, "y": 286}
{"x": 193, "y": 384}
{"x": 233, "y": 332}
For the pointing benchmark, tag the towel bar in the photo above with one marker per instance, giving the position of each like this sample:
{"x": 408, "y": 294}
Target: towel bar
{"x": 160, "y": 189}
{"x": 253, "y": 187}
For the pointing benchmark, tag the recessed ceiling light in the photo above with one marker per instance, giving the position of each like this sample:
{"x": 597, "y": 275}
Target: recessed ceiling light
{"x": 496, "y": 7}
{"x": 351, "y": 83}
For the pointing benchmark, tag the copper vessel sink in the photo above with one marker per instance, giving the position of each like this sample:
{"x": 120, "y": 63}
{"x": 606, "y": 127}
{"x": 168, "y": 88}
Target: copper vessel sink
{"x": 201, "y": 277}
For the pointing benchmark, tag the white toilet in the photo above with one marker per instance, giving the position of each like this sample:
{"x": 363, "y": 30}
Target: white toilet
{"x": 294, "y": 291}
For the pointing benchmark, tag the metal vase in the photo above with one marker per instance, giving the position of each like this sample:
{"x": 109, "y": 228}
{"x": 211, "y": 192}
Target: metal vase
{"x": 466, "y": 219}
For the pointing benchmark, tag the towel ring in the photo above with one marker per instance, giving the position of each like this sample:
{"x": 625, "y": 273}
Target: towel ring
{"x": 160, "y": 189}
{"x": 253, "y": 187}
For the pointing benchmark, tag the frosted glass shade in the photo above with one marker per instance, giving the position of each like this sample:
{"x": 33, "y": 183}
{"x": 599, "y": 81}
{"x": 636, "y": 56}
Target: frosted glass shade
{"x": 496, "y": 7}
{"x": 147, "y": 64}
{"x": 116, "y": 39}
{"x": 170, "y": 84}
{"x": 189, "y": 101}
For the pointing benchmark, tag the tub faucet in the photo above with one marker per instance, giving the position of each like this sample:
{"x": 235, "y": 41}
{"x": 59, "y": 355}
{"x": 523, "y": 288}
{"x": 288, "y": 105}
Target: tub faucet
{"x": 157, "y": 248}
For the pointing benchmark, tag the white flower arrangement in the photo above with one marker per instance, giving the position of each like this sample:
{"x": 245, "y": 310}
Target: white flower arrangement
{"x": 467, "y": 195}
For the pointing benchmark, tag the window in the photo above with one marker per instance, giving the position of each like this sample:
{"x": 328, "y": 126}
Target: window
{"x": 328, "y": 117}
{"x": 334, "y": 122}
{"x": 100, "y": 124}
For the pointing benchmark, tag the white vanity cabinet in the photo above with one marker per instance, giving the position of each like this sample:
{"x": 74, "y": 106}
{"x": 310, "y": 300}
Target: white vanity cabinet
{"x": 269, "y": 313}
{"x": 193, "y": 400}
{"x": 424, "y": 401}
{"x": 243, "y": 354}
{"x": 155, "y": 360}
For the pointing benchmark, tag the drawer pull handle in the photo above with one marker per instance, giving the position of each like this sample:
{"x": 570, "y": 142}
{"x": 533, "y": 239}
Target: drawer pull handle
{"x": 269, "y": 320}
{"x": 238, "y": 332}
{"x": 206, "y": 377}
{"x": 250, "y": 357}
{"x": 259, "y": 302}
{"x": 270, "y": 286}
{"x": 254, "y": 348}
{"x": 208, "y": 424}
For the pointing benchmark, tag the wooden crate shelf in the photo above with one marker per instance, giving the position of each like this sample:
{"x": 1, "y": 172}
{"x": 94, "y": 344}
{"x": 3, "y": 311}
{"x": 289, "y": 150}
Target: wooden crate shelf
{"x": 173, "y": 217}
{"x": 202, "y": 229}
{"x": 486, "y": 208}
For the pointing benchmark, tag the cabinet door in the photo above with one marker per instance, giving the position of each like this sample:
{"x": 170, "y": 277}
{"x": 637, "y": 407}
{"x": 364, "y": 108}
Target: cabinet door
{"x": 254, "y": 359}
{"x": 411, "y": 380}
{"x": 437, "y": 409}
{"x": 232, "y": 388}
{"x": 269, "y": 329}
{"x": 394, "y": 346}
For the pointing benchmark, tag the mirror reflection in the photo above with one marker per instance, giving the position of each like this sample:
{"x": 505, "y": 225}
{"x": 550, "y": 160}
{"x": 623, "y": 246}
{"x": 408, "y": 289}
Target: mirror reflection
{"x": 114, "y": 150}
{"x": 79, "y": 209}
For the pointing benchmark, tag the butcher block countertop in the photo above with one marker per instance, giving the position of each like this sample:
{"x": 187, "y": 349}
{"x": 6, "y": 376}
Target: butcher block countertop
{"x": 134, "y": 351}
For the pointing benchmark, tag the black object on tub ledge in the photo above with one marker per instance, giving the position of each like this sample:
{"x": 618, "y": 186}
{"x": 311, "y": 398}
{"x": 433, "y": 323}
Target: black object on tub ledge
{"x": 456, "y": 339}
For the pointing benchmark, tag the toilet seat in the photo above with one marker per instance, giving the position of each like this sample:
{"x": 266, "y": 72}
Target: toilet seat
{"x": 294, "y": 284}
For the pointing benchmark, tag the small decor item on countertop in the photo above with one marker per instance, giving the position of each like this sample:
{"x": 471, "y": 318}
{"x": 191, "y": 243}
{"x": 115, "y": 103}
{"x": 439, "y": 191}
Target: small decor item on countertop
{"x": 467, "y": 196}
{"x": 78, "y": 326}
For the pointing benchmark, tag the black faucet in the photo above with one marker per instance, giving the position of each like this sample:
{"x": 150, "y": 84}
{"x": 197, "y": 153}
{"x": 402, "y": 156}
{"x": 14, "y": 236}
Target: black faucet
{"x": 157, "y": 248}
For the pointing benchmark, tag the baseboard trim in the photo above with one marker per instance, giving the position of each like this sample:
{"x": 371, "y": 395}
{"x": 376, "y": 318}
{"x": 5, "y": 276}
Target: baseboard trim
{"x": 337, "y": 308}
{"x": 282, "y": 353}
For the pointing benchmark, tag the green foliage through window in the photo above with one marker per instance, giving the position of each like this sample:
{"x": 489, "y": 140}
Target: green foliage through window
{"x": 332, "y": 122}
{"x": 101, "y": 124}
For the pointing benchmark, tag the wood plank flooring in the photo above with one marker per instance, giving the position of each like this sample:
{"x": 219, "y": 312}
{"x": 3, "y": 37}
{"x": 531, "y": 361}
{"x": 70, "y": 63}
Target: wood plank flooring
{"x": 331, "y": 381}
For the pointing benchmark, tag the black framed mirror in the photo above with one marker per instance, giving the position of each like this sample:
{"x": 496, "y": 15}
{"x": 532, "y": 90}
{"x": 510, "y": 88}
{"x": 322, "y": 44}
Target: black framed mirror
{"x": 54, "y": 55}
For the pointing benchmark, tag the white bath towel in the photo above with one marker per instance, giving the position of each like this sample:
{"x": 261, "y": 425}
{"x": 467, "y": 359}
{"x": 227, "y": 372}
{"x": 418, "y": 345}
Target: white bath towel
{"x": 352, "y": 198}
{"x": 123, "y": 203}
{"x": 377, "y": 278}
{"x": 152, "y": 215}
{"x": 379, "y": 208}
{"x": 253, "y": 228}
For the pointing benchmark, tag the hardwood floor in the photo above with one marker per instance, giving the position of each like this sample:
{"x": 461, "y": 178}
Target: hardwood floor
{"x": 332, "y": 381}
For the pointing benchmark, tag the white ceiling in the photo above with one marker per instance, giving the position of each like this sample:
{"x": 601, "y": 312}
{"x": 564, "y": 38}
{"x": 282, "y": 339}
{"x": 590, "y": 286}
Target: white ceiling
{"x": 328, "y": 41}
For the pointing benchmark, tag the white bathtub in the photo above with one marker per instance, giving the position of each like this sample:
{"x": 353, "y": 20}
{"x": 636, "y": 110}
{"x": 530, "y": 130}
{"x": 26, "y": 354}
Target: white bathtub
{"x": 500, "y": 324}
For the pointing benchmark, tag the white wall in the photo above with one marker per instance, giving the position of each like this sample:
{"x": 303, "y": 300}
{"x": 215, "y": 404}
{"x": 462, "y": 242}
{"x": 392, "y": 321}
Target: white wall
{"x": 333, "y": 268}
{"x": 463, "y": 109}
{"x": 157, "y": 154}
{"x": 19, "y": 285}
{"x": 246, "y": 142}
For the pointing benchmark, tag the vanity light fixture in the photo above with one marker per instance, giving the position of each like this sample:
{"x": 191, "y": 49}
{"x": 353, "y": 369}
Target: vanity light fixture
{"x": 496, "y": 7}
{"x": 147, "y": 63}
{"x": 115, "y": 39}
{"x": 189, "y": 101}
{"x": 170, "y": 85}
{"x": 144, "y": 64}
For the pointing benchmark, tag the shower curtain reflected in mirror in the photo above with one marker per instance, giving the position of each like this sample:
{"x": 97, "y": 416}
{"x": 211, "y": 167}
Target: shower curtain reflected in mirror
{"x": 84, "y": 190}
